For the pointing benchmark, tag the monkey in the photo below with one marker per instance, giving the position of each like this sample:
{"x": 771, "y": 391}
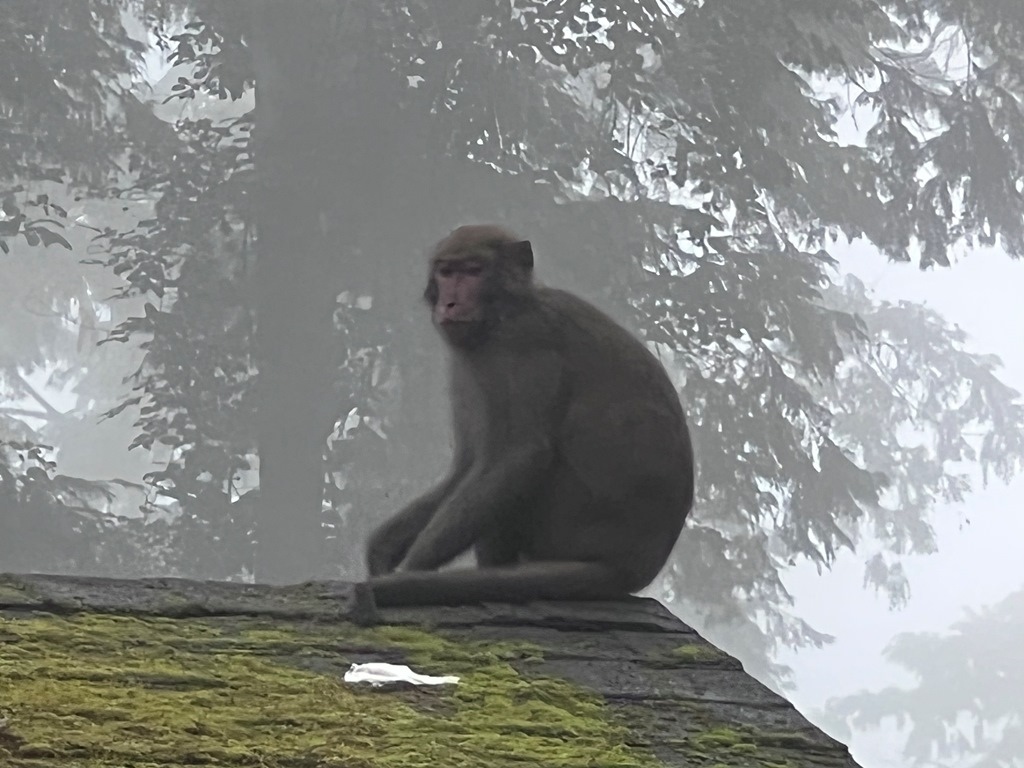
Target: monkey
{"x": 572, "y": 473}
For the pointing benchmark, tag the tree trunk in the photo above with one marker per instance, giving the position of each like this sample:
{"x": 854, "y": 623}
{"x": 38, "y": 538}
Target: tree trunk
{"x": 296, "y": 278}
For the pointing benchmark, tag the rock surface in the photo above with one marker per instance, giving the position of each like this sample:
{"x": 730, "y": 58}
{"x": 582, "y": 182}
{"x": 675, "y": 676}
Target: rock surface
{"x": 168, "y": 672}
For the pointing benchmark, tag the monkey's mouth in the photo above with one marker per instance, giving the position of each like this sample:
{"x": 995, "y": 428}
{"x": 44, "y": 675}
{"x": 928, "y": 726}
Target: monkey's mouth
{"x": 463, "y": 320}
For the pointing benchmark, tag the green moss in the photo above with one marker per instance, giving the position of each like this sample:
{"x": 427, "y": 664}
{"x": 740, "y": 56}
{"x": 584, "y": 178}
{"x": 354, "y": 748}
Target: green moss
{"x": 726, "y": 744}
{"x": 708, "y": 742}
{"x": 12, "y": 594}
{"x": 98, "y": 691}
{"x": 689, "y": 655}
{"x": 736, "y": 746}
{"x": 697, "y": 653}
{"x": 716, "y": 738}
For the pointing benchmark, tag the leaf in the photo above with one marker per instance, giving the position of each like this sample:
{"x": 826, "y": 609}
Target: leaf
{"x": 37, "y": 475}
{"x": 49, "y": 237}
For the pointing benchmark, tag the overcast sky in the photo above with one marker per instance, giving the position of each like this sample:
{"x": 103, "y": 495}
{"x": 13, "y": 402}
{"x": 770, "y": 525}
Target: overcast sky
{"x": 978, "y": 563}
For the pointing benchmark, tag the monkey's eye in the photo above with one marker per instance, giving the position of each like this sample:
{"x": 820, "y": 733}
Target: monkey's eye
{"x": 473, "y": 269}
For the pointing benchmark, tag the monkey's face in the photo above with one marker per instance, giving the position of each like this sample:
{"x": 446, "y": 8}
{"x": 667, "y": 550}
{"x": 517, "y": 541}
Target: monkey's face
{"x": 478, "y": 275}
{"x": 460, "y": 310}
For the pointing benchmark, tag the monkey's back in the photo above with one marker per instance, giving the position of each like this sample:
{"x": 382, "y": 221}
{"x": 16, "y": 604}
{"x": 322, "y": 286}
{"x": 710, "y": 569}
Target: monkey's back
{"x": 627, "y": 479}
{"x": 604, "y": 358}
{"x": 622, "y": 417}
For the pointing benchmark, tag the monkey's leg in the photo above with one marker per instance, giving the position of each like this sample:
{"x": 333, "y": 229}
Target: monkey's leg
{"x": 482, "y": 502}
{"x": 513, "y": 584}
{"x": 493, "y": 550}
{"x": 390, "y": 542}
{"x": 504, "y": 543}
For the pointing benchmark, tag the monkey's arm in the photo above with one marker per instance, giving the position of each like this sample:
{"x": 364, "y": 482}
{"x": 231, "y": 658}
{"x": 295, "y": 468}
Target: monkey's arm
{"x": 523, "y": 389}
{"x": 390, "y": 541}
{"x": 486, "y": 495}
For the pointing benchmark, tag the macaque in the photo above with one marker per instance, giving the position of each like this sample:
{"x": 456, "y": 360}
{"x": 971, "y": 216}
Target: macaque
{"x": 572, "y": 472}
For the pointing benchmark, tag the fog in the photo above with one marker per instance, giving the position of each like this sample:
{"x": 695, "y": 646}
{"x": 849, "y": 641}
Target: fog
{"x": 978, "y": 562}
{"x": 215, "y": 228}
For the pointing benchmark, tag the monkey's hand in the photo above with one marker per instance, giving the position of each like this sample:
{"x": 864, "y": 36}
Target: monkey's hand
{"x": 480, "y": 503}
{"x": 386, "y": 549}
{"x": 390, "y": 543}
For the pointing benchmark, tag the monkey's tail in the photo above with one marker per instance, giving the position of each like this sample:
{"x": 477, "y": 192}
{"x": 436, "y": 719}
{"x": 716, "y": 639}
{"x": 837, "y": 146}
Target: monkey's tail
{"x": 512, "y": 584}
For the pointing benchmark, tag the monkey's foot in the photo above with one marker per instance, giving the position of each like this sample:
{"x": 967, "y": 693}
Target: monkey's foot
{"x": 360, "y": 607}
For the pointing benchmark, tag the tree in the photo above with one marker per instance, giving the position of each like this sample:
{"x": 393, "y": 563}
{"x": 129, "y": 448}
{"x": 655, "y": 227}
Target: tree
{"x": 59, "y": 144}
{"x": 966, "y": 704}
{"x": 679, "y": 165}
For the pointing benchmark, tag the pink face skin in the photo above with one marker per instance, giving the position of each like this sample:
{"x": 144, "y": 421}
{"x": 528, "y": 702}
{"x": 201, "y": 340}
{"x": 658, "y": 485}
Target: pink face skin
{"x": 459, "y": 292}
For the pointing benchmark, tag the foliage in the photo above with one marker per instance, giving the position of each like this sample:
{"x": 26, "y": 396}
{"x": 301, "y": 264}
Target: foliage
{"x": 913, "y": 371}
{"x": 682, "y": 166}
{"x": 56, "y": 80}
{"x": 966, "y": 702}
{"x": 46, "y": 517}
{"x": 57, "y": 129}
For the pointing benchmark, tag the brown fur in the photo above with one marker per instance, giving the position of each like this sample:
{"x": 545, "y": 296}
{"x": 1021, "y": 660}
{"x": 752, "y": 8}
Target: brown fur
{"x": 573, "y": 469}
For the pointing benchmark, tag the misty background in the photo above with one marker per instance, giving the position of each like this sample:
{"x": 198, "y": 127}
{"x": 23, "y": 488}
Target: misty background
{"x": 215, "y": 363}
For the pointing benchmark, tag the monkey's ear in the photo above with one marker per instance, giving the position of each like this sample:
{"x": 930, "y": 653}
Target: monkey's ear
{"x": 520, "y": 254}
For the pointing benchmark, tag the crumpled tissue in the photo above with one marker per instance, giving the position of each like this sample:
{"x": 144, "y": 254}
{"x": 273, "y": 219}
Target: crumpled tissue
{"x": 378, "y": 673}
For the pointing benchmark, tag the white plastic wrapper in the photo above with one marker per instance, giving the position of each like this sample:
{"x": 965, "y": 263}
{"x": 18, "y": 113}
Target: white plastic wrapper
{"x": 379, "y": 673}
